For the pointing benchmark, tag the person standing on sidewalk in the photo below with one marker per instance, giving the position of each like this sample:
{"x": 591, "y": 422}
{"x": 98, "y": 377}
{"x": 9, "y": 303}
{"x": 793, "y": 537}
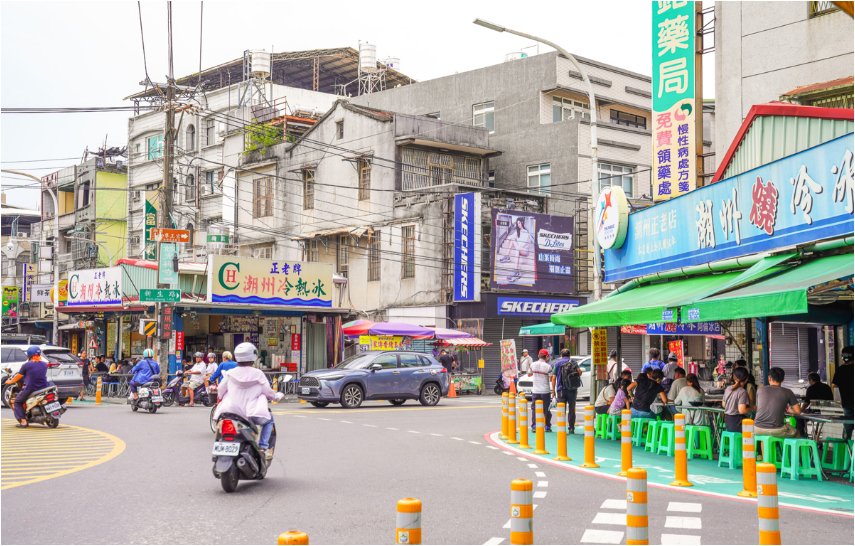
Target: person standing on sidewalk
{"x": 525, "y": 361}
{"x": 541, "y": 387}
{"x": 843, "y": 381}
{"x": 86, "y": 377}
{"x": 565, "y": 393}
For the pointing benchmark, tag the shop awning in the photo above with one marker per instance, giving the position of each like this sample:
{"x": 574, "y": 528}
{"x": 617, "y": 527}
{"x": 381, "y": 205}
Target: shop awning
{"x": 547, "y": 329}
{"x": 783, "y": 294}
{"x": 466, "y": 342}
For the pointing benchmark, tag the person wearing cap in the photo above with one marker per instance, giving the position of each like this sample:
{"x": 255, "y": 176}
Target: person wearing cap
{"x": 197, "y": 376}
{"x": 843, "y": 381}
{"x": 541, "y": 389}
{"x": 671, "y": 366}
{"x": 34, "y": 374}
{"x": 525, "y": 361}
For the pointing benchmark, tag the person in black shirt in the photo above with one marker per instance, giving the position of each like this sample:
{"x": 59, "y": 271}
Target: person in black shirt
{"x": 843, "y": 381}
{"x": 85, "y": 371}
{"x": 817, "y": 391}
{"x": 101, "y": 366}
{"x": 647, "y": 388}
{"x": 446, "y": 360}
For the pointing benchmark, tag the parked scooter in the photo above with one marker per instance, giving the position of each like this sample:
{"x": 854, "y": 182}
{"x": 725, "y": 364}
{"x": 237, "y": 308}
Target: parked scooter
{"x": 172, "y": 393}
{"x": 43, "y": 406}
{"x": 149, "y": 397}
{"x": 236, "y": 454}
{"x": 500, "y": 385}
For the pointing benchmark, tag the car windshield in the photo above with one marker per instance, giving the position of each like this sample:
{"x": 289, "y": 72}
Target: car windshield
{"x": 60, "y": 357}
{"x": 355, "y": 362}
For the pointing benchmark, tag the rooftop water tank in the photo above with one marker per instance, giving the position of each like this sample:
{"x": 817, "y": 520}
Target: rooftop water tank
{"x": 367, "y": 57}
{"x": 394, "y": 63}
{"x": 260, "y": 64}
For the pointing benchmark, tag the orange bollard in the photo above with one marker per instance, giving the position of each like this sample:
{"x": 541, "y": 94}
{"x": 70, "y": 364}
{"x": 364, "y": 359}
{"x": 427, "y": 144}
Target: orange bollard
{"x": 521, "y": 512}
{"x": 590, "y": 458}
{"x": 625, "y": 442}
{"x": 749, "y": 460}
{"x": 408, "y": 526}
{"x": 293, "y": 537}
{"x": 539, "y": 432}
{"x": 681, "y": 471}
{"x": 512, "y": 419}
{"x": 98, "y": 392}
{"x": 767, "y": 504}
{"x": 504, "y": 434}
{"x": 636, "y": 506}
{"x": 523, "y": 410}
{"x": 562, "y": 433}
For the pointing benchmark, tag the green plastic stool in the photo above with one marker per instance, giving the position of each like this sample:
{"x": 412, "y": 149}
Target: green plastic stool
{"x": 665, "y": 440}
{"x": 730, "y": 450}
{"x": 772, "y": 447}
{"x": 851, "y": 460}
{"x": 839, "y": 454}
{"x": 650, "y": 441}
{"x": 637, "y": 427}
{"x": 613, "y": 427}
{"x": 601, "y": 424}
{"x": 699, "y": 442}
{"x": 796, "y": 459}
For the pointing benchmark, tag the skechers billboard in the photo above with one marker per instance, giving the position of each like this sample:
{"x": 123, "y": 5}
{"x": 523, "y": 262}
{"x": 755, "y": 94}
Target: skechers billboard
{"x": 531, "y": 252}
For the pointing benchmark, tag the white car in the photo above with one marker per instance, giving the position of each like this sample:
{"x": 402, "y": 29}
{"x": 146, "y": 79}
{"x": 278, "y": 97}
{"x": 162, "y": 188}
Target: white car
{"x": 64, "y": 369}
{"x": 524, "y": 384}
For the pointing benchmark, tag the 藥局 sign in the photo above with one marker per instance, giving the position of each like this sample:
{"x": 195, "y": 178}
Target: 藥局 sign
{"x": 532, "y": 252}
{"x": 802, "y": 198}
{"x": 266, "y": 282}
{"x": 674, "y": 106}
{"x": 95, "y": 287}
{"x": 467, "y": 247}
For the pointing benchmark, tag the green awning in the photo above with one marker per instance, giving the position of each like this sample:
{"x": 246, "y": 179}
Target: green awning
{"x": 547, "y": 329}
{"x": 642, "y": 305}
{"x": 783, "y": 294}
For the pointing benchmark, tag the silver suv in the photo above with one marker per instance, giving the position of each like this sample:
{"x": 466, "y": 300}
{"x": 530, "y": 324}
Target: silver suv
{"x": 65, "y": 370}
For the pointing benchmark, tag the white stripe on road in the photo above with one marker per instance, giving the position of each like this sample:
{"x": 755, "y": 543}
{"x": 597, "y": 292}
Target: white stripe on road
{"x": 493, "y": 541}
{"x": 684, "y": 507}
{"x": 610, "y": 518}
{"x": 435, "y": 434}
{"x": 505, "y": 452}
{"x": 455, "y": 438}
{"x": 372, "y": 426}
{"x": 680, "y": 539}
{"x": 596, "y": 536}
{"x": 476, "y": 443}
{"x": 523, "y": 459}
{"x": 300, "y": 416}
{"x": 542, "y": 484}
{"x": 507, "y": 525}
{"x": 614, "y": 504}
{"x": 390, "y": 428}
{"x": 678, "y": 522}
{"x": 323, "y": 418}
{"x": 414, "y": 431}
{"x": 348, "y": 422}
{"x": 491, "y": 447}
{"x": 539, "y": 494}
{"x": 532, "y": 465}
{"x": 540, "y": 474}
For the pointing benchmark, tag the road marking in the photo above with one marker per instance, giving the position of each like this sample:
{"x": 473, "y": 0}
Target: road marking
{"x": 684, "y": 507}
{"x": 476, "y": 443}
{"x": 532, "y": 465}
{"x": 682, "y": 522}
{"x": 680, "y": 539}
{"x": 523, "y": 459}
{"x": 610, "y": 518}
{"x": 540, "y": 474}
{"x": 542, "y": 484}
{"x": 414, "y": 431}
{"x": 390, "y": 428}
{"x": 614, "y": 504}
{"x": 322, "y": 419}
{"x": 539, "y": 494}
{"x": 372, "y": 426}
{"x": 596, "y": 536}
{"x": 507, "y": 452}
{"x": 507, "y": 525}
{"x": 36, "y": 454}
{"x": 348, "y": 422}
{"x": 493, "y": 541}
{"x": 455, "y": 438}
{"x": 492, "y": 447}
{"x": 300, "y": 416}
{"x": 435, "y": 434}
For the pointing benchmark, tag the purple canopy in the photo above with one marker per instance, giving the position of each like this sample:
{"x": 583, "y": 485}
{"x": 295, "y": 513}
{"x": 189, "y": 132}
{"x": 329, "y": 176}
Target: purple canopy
{"x": 399, "y": 329}
{"x": 445, "y": 333}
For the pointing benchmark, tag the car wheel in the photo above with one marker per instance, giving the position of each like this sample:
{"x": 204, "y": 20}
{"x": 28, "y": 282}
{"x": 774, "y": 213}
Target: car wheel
{"x": 430, "y": 395}
{"x": 351, "y": 396}
{"x": 320, "y": 404}
{"x": 6, "y": 393}
{"x": 399, "y": 402}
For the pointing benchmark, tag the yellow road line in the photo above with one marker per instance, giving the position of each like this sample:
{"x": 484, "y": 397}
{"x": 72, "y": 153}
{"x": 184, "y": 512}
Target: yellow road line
{"x": 356, "y": 411}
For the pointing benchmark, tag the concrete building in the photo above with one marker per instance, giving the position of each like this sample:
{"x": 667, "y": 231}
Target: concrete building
{"x": 16, "y": 252}
{"x": 800, "y": 52}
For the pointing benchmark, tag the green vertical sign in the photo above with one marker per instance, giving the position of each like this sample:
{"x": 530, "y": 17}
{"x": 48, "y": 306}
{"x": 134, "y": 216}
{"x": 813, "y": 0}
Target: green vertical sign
{"x": 165, "y": 271}
{"x": 151, "y": 200}
{"x": 674, "y": 115}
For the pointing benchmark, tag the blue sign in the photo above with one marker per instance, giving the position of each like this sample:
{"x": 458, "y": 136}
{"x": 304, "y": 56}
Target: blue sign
{"x": 668, "y": 315}
{"x": 799, "y": 199}
{"x": 530, "y": 307}
{"x": 467, "y": 256}
{"x": 691, "y": 329}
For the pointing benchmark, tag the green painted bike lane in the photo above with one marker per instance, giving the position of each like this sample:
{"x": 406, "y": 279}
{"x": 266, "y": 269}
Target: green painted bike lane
{"x": 708, "y": 478}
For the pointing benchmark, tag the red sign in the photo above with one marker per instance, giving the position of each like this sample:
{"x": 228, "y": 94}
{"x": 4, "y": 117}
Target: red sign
{"x": 677, "y": 347}
{"x": 166, "y": 323}
{"x": 295, "y": 342}
{"x": 634, "y": 329}
{"x": 179, "y": 341}
{"x": 160, "y": 235}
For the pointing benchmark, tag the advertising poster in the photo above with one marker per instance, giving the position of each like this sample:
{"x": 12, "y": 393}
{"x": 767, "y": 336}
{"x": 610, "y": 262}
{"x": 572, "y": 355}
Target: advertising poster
{"x": 467, "y": 247}
{"x": 600, "y": 351}
{"x": 677, "y": 347}
{"x": 95, "y": 287}
{"x": 152, "y": 199}
{"x": 233, "y": 279}
{"x": 10, "y": 301}
{"x": 531, "y": 252}
{"x": 509, "y": 357}
{"x": 29, "y": 280}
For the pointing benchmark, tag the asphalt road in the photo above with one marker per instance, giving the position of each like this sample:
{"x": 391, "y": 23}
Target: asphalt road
{"x": 337, "y": 476}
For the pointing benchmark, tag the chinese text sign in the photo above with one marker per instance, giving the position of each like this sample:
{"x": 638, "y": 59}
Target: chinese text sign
{"x": 95, "y": 287}
{"x": 232, "y": 279}
{"x": 600, "y": 351}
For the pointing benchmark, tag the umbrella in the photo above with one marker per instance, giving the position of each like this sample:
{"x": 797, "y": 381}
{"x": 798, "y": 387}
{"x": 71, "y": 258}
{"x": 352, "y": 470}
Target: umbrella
{"x": 445, "y": 333}
{"x": 399, "y": 329}
{"x": 357, "y": 327}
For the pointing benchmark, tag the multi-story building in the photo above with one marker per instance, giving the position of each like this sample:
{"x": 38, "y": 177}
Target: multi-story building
{"x": 16, "y": 252}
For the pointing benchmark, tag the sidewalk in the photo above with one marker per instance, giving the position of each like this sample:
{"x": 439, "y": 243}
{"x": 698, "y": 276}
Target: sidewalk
{"x": 834, "y": 497}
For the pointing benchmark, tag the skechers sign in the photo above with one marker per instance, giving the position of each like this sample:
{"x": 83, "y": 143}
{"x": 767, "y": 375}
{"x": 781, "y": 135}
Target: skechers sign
{"x": 467, "y": 247}
{"x": 533, "y": 307}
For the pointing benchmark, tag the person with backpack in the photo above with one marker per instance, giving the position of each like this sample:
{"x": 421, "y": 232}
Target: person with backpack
{"x": 144, "y": 371}
{"x": 653, "y": 363}
{"x": 541, "y": 389}
{"x": 567, "y": 381}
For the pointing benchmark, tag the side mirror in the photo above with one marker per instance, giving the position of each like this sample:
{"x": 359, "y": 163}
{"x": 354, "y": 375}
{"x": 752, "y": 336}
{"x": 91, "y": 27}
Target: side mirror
{"x": 375, "y": 367}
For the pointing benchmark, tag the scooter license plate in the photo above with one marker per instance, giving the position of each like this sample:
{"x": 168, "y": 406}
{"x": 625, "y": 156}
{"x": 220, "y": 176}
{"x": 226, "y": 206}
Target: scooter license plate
{"x": 228, "y": 449}
{"x": 53, "y": 406}
{"x": 305, "y": 390}
{"x": 157, "y": 399}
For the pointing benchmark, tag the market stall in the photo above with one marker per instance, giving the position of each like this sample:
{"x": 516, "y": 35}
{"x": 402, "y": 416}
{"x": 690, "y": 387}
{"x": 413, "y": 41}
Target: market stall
{"x": 470, "y": 378}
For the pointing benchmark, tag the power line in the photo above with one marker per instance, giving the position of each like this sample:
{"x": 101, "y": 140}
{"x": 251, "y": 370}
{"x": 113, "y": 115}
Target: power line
{"x": 142, "y": 38}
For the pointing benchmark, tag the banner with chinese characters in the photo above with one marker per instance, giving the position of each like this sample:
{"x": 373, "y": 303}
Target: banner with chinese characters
{"x": 10, "y": 301}
{"x": 152, "y": 199}
{"x": 233, "y": 279}
{"x": 30, "y": 271}
{"x": 95, "y": 287}
{"x": 799, "y": 199}
{"x": 509, "y": 357}
{"x": 600, "y": 351}
{"x": 676, "y": 347}
{"x": 674, "y": 112}
{"x": 690, "y": 329}
{"x": 381, "y": 343}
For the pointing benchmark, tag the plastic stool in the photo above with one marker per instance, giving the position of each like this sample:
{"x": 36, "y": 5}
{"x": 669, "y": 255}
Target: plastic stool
{"x": 839, "y": 454}
{"x": 637, "y": 426}
{"x": 601, "y": 424}
{"x": 613, "y": 427}
{"x": 771, "y": 447}
{"x": 730, "y": 449}
{"x": 652, "y": 435}
{"x": 796, "y": 459}
{"x": 666, "y": 438}
{"x": 702, "y": 436}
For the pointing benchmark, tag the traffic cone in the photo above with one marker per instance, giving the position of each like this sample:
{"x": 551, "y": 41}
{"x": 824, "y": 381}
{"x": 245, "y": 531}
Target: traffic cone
{"x": 70, "y": 401}
{"x": 452, "y": 392}
{"x": 513, "y": 390}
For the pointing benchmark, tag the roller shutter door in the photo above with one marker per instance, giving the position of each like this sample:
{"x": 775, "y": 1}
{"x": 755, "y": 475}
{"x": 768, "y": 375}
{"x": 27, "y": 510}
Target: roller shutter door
{"x": 630, "y": 350}
{"x": 785, "y": 349}
{"x": 493, "y": 334}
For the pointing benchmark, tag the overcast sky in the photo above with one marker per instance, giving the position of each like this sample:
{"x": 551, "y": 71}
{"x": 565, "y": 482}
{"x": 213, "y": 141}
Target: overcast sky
{"x": 76, "y": 54}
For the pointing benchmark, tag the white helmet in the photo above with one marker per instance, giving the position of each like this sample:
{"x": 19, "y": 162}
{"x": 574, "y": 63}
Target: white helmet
{"x": 246, "y": 352}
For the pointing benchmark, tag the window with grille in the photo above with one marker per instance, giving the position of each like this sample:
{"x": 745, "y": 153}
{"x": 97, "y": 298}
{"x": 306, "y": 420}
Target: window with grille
{"x": 421, "y": 169}
{"x": 339, "y": 129}
{"x": 191, "y": 138}
{"x": 630, "y": 120}
{"x": 212, "y": 180}
{"x": 155, "y": 147}
{"x": 540, "y": 178}
{"x": 564, "y": 109}
{"x": 312, "y": 253}
{"x": 210, "y": 128}
{"x": 408, "y": 245}
{"x": 374, "y": 257}
{"x": 343, "y": 255}
{"x": 262, "y": 197}
{"x": 364, "y": 168}
{"x": 190, "y": 189}
{"x": 483, "y": 115}
{"x": 263, "y": 253}
{"x": 616, "y": 175}
{"x": 822, "y": 8}
{"x": 308, "y": 189}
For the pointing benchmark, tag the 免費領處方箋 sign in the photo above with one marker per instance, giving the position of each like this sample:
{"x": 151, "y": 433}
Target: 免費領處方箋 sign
{"x": 233, "y": 279}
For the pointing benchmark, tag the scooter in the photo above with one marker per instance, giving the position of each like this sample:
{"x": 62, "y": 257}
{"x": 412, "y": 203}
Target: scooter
{"x": 172, "y": 393}
{"x": 43, "y": 406}
{"x": 149, "y": 397}
{"x": 500, "y": 385}
{"x": 236, "y": 454}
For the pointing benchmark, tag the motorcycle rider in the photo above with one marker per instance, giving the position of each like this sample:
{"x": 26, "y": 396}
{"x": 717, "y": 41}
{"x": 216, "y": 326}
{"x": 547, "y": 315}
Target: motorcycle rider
{"x": 245, "y": 391}
{"x": 34, "y": 374}
{"x": 225, "y": 366}
{"x": 143, "y": 371}
{"x": 199, "y": 369}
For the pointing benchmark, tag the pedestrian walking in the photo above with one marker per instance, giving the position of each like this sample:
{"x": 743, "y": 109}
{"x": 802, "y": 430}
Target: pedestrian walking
{"x": 86, "y": 371}
{"x": 565, "y": 391}
{"x": 540, "y": 372}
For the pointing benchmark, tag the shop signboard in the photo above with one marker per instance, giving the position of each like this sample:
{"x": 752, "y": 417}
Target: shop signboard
{"x": 29, "y": 281}
{"x": 676, "y": 347}
{"x": 467, "y": 247}
{"x": 152, "y": 199}
{"x": 634, "y": 329}
{"x": 600, "y": 351}
{"x": 531, "y": 307}
{"x": 40, "y": 293}
{"x": 675, "y": 111}
{"x": 799, "y": 199}
{"x": 10, "y": 301}
{"x": 234, "y": 279}
{"x": 689, "y": 329}
{"x": 612, "y": 214}
{"x": 74, "y": 344}
{"x": 509, "y": 357}
{"x": 95, "y": 287}
{"x": 165, "y": 268}
{"x": 179, "y": 341}
{"x": 381, "y": 343}
{"x": 475, "y": 327}
{"x": 531, "y": 252}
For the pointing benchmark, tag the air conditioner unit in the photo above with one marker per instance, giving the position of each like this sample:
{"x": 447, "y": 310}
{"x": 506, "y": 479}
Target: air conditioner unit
{"x": 135, "y": 240}
{"x": 22, "y": 234}
{"x": 136, "y": 195}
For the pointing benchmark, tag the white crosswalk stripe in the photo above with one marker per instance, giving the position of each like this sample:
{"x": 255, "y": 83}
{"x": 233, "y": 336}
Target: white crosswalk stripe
{"x": 597, "y": 536}
{"x": 493, "y": 541}
{"x": 609, "y": 518}
{"x": 681, "y": 522}
{"x": 684, "y": 507}
{"x": 680, "y": 539}
{"x": 614, "y": 504}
